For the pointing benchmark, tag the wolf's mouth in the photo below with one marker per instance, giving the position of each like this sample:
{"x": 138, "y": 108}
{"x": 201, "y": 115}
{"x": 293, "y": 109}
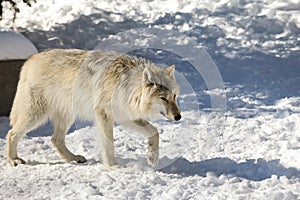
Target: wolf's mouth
{"x": 162, "y": 113}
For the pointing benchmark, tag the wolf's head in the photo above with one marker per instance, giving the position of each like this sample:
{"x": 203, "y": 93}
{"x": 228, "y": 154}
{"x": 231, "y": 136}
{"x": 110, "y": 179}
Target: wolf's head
{"x": 160, "y": 92}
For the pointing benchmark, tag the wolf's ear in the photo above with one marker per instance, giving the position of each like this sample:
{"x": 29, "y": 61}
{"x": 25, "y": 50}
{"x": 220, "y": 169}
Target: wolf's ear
{"x": 148, "y": 76}
{"x": 170, "y": 70}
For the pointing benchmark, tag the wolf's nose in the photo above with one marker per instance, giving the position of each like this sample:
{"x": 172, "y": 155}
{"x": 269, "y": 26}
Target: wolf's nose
{"x": 177, "y": 117}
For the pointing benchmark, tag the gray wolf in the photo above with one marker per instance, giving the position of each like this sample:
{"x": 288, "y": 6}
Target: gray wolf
{"x": 107, "y": 87}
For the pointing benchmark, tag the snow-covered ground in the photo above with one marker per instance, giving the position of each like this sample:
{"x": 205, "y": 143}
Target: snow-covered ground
{"x": 248, "y": 149}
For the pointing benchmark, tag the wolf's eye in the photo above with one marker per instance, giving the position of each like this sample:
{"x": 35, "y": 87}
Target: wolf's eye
{"x": 164, "y": 99}
{"x": 151, "y": 84}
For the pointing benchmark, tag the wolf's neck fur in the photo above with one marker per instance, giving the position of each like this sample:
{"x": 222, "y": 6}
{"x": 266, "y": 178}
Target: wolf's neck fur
{"x": 118, "y": 83}
{"x": 131, "y": 86}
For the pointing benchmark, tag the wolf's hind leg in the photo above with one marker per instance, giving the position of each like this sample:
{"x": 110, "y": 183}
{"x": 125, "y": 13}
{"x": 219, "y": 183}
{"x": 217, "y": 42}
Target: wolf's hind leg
{"x": 28, "y": 112}
{"x": 13, "y": 138}
{"x": 20, "y": 127}
{"x": 61, "y": 126}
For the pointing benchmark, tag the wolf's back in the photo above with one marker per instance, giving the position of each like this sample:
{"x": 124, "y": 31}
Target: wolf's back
{"x": 47, "y": 78}
{"x": 53, "y": 65}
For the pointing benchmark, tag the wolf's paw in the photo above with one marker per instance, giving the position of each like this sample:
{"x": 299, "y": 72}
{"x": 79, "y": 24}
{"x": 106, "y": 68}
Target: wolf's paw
{"x": 153, "y": 158}
{"x": 15, "y": 162}
{"x": 80, "y": 159}
{"x": 113, "y": 167}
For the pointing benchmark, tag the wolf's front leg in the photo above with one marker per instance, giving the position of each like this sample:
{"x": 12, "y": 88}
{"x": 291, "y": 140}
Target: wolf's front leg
{"x": 105, "y": 123}
{"x": 151, "y": 133}
{"x": 153, "y": 150}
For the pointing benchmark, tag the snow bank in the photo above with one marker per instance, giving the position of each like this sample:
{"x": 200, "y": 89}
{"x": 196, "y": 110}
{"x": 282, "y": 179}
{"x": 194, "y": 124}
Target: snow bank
{"x": 14, "y": 45}
{"x": 228, "y": 27}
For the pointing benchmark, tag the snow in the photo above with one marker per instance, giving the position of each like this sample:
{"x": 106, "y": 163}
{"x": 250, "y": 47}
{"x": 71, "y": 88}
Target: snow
{"x": 15, "y": 46}
{"x": 237, "y": 65}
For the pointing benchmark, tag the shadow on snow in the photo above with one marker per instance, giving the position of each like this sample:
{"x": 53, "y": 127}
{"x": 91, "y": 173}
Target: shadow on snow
{"x": 255, "y": 170}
